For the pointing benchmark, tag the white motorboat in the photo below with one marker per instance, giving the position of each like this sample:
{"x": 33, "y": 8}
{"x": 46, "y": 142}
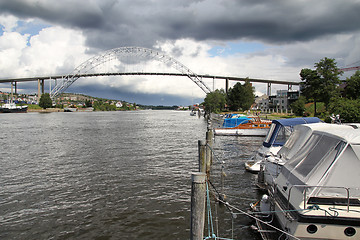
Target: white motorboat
{"x": 277, "y": 135}
{"x": 12, "y": 108}
{"x": 316, "y": 194}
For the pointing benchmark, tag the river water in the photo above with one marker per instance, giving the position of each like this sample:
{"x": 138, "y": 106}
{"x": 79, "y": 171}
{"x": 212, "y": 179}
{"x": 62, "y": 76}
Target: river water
{"x": 113, "y": 175}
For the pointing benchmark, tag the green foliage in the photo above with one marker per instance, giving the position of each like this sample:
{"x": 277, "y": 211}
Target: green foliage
{"x": 88, "y": 103}
{"x": 311, "y": 85}
{"x": 33, "y": 106}
{"x": 103, "y": 106}
{"x": 59, "y": 106}
{"x": 329, "y": 75}
{"x": 45, "y": 101}
{"x": 352, "y": 89}
{"x": 215, "y": 101}
{"x": 310, "y": 109}
{"x": 298, "y": 106}
{"x": 241, "y": 97}
{"x": 320, "y": 85}
{"x": 348, "y": 109}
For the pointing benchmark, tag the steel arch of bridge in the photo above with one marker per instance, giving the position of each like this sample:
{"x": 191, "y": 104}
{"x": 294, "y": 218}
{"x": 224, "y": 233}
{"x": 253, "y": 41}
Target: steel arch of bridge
{"x": 115, "y": 53}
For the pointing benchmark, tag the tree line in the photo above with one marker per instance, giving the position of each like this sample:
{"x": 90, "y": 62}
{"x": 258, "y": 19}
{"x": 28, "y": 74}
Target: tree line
{"x": 238, "y": 98}
{"x": 319, "y": 87}
{"x": 323, "y": 86}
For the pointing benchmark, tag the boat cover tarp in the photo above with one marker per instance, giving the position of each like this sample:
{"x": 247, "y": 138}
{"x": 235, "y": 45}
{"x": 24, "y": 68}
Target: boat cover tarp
{"x": 282, "y": 128}
{"x": 330, "y": 157}
{"x": 234, "y": 120}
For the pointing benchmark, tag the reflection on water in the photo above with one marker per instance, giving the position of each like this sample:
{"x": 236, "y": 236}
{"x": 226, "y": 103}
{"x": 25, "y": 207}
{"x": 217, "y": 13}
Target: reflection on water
{"x": 111, "y": 175}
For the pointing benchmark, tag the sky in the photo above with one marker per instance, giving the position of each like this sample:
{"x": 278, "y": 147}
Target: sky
{"x": 243, "y": 38}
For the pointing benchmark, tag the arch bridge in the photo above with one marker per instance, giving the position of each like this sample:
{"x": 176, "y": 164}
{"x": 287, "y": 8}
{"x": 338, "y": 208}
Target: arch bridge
{"x": 122, "y": 55}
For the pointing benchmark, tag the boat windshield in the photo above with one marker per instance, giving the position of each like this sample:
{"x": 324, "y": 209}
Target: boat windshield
{"x": 270, "y": 133}
{"x": 283, "y": 134}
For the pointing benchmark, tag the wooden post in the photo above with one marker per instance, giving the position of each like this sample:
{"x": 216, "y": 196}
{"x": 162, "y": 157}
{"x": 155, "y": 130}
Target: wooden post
{"x": 202, "y": 156}
{"x": 209, "y": 153}
{"x": 198, "y": 194}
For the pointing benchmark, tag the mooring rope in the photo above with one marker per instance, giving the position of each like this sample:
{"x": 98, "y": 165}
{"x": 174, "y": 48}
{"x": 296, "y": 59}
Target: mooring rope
{"x": 219, "y": 199}
{"x": 230, "y": 207}
{"x": 211, "y": 233}
{"x": 257, "y": 219}
{"x": 213, "y": 152}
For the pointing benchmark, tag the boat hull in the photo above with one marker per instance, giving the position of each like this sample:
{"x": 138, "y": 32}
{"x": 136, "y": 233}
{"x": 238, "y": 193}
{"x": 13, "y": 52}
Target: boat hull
{"x": 70, "y": 109}
{"x": 13, "y": 110}
{"x": 258, "y": 132}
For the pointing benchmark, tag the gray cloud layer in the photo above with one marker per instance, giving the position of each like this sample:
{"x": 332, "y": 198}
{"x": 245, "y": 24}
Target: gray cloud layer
{"x": 109, "y": 24}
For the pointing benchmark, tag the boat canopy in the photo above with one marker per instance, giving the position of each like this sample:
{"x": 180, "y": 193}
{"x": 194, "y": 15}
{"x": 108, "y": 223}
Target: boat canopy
{"x": 326, "y": 156}
{"x": 233, "y": 120}
{"x": 281, "y": 129}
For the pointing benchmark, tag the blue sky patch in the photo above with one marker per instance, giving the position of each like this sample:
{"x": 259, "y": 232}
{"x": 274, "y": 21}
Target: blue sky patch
{"x": 235, "y": 48}
{"x": 32, "y": 28}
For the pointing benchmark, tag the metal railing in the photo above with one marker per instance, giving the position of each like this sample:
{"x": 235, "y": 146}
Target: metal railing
{"x": 347, "y": 190}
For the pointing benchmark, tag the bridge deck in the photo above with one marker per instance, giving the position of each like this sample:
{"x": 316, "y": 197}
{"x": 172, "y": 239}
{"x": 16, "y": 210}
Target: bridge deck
{"x": 149, "y": 73}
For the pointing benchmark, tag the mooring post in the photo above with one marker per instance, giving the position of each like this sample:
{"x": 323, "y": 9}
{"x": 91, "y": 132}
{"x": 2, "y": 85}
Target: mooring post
{"x": 198, "y": 194}
{"x": 209, "y": 142}
{"x": 202, "y": 156}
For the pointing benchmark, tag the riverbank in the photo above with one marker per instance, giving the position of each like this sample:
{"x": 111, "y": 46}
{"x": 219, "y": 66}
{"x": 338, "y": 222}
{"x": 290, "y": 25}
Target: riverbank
{"x": 50, "y": 110}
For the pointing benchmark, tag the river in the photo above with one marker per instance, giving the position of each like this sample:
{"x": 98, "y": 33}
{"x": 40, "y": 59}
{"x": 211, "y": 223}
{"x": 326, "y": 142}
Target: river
{"x": 113, "y": 175}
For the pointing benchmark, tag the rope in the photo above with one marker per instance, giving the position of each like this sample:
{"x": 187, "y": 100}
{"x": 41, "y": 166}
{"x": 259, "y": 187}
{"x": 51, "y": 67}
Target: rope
{"x": 213, "y": 152}
{"x": 257, "y": 219}
{"x": 211, "y": 233}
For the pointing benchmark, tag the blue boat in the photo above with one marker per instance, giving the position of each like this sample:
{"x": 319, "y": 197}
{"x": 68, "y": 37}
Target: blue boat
{"x": 232, "y": 120}
{"x": 279, "y": 132}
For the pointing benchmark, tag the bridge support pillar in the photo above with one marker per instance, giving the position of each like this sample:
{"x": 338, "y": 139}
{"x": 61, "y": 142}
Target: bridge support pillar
{"x": 226, "y": 85}
{"x": 269, "y": 89}
{"x": 40, "y": 88}
{"x": 12, "y": 92}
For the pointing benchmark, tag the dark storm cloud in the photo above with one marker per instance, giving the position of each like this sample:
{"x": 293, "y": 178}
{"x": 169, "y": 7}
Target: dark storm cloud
{"x": 108, "y": 24}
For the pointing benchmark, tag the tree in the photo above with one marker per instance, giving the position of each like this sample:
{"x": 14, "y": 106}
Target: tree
{"x": 88, "y": 103}
{"x": 215, "y": 101}
{"x": 352, "y": 89}
{"x": 348, "y": 109}
{"x": 329, "y": 75}
{"x": 299, "y": 106}
{"x": 45, "y": 101}
{"x": 241, "y": 97}
{"x": 321, "y": 84}
{"x": 311, "y": 85}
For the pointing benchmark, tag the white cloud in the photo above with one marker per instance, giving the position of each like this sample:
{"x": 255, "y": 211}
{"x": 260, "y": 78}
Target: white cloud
{"x": 58, "y": 50}
{"x": 54, "y": 50}
{"x": 8, "y": 22}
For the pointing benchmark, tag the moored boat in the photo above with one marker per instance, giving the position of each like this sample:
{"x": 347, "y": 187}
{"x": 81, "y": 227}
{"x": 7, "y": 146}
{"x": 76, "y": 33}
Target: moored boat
{"x": 316, "y": 194}
{"x": 12, "y": 108}
{"x": 245, "y": 126}
{"x": 69, "y": 109}
{"x": 277, "y": 135}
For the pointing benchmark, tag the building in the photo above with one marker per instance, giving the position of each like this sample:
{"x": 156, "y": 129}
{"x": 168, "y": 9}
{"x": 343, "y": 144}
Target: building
{"x": 281, "y": 102}
{"x": 119, "y": 104}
